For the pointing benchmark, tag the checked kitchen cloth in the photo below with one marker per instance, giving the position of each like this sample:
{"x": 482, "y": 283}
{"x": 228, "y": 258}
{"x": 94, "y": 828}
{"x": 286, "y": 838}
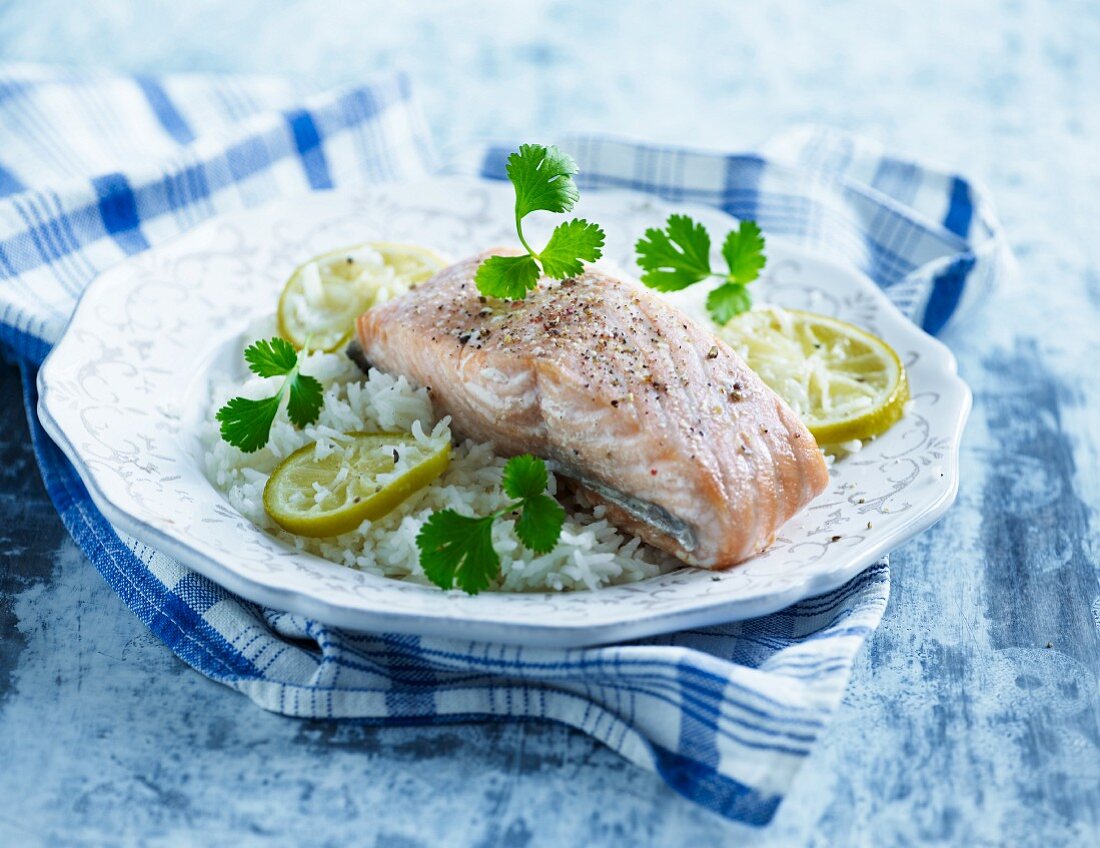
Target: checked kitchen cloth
{"x": 95, "y": 167}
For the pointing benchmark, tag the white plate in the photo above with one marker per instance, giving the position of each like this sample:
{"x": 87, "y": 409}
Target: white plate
{"x": 150, "y": 333}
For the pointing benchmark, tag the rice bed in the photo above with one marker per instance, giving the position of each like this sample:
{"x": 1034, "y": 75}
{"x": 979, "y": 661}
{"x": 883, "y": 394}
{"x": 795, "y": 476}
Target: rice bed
{"x": 591, "y": 553}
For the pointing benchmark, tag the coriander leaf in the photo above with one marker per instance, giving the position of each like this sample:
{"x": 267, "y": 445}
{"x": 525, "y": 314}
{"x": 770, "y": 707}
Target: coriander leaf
{"x": 524, "y": 477}
{"x": 543, "y": 178}
{"x": 569, "y": 244}
{"x": 246, "y": 424}
{"x": 679, "y": 256}
{"x": 306, "y": 396}
{"x": 456, "y": 548}
{"x": 675, "y": 258}
{"x": 509, "y": 277}
{"x": 744, "y": 252}
{"x": 540, "y": 522}
{"x": 727, "y": 300}
{"x": 271, "y": 357}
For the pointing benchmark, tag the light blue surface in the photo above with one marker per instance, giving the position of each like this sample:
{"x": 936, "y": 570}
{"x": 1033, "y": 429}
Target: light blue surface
{"x": 960, "y": 725}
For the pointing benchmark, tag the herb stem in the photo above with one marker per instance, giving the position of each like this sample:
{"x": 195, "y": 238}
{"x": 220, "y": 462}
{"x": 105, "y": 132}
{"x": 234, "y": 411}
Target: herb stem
{"x": 290, "y": 377}
{"x": 507, "y": 509}
{"x": 522, "y": 240}
{"x": 725, "y": 278}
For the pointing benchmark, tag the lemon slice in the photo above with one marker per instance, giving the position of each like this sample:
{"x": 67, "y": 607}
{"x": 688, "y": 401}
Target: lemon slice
{"x": 843, "y": 382}
{"x": 320, "y": 492}
{"x": 323, "y": 297}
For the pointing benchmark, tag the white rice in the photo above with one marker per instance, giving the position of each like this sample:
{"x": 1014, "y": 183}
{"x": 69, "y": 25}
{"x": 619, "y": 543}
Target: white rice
{"x": 590, "y": 554}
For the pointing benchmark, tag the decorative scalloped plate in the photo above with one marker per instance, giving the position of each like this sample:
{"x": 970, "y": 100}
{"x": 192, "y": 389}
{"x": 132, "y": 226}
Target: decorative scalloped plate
{"x": 157, "y": 328}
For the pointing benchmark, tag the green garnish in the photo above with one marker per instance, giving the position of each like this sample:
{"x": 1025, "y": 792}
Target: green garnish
{"x": 246, "y": 423}
{"x": 543, "y": 179}
{"x": 457, "y": 549}
{"x": 541, "y": 517}
{"x": 679, "y": 256}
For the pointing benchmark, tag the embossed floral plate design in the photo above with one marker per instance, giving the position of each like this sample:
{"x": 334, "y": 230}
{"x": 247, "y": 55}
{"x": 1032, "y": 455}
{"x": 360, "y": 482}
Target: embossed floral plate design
{"x": 123, "y": 391}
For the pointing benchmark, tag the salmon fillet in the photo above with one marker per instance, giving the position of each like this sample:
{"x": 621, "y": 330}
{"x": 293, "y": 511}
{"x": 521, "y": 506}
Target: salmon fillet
{"x": 618, "y": 390}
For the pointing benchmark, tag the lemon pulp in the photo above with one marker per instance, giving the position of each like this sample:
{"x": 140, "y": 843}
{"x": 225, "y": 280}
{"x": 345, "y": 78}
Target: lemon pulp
{"x": 843, "y": 382}
{"x": 325, "y": 295}
{"x": 321, "y": 492}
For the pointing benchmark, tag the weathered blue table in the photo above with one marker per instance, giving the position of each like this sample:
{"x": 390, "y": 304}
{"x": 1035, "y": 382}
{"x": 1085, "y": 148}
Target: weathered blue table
{"x": 974, "y": 713}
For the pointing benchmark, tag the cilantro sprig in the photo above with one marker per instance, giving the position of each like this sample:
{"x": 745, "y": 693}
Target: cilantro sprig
{"x": 543, "y": 180}
{"x": 246, "y": 423}
{"x": 678, "y": 256}
{"x": 458, "y": 549}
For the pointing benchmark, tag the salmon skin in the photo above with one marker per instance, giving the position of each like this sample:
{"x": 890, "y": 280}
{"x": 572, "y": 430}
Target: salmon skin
{"x": 648, "y": 412}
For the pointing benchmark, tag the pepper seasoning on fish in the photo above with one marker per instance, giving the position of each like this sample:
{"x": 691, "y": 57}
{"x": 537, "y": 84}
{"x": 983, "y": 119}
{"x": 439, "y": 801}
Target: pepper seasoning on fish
{"x": 617, "y": 389}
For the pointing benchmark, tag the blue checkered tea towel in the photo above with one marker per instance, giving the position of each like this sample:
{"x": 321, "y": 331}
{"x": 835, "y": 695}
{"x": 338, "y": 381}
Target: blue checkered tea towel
{"x": 95, "y": 167}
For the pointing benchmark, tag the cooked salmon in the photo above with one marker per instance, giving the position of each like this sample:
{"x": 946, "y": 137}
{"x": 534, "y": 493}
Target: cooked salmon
{"x": 617, "y": 389}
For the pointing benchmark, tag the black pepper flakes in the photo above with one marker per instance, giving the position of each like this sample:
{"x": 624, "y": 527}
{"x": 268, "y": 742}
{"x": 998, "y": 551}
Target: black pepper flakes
{"x": 713, "y": 352}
